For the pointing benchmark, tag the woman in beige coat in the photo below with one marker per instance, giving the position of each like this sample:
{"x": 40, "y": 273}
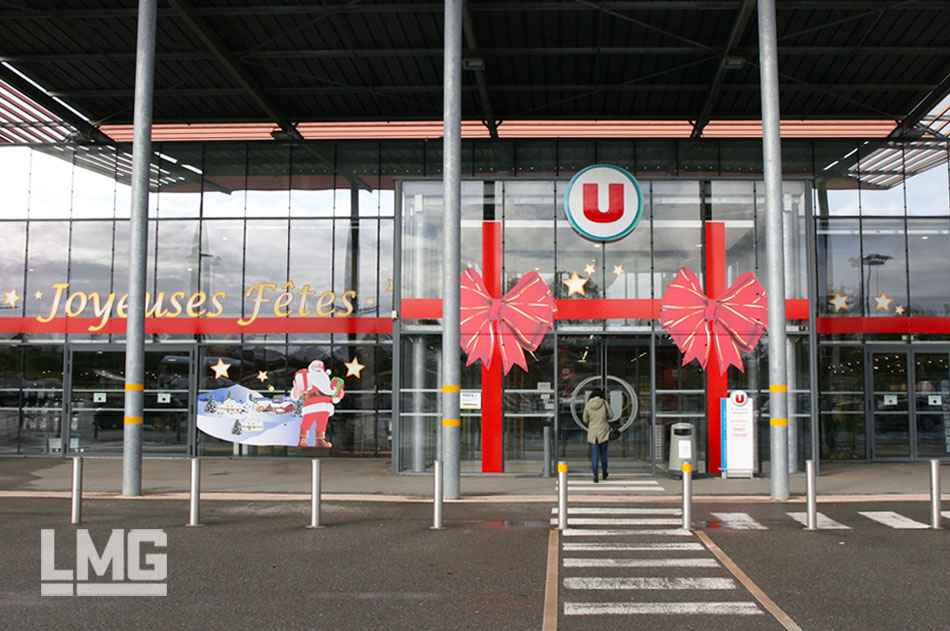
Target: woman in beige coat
{"x": 596, "y": 414}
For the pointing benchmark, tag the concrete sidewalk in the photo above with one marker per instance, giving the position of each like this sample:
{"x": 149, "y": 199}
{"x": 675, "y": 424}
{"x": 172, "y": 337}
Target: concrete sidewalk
{"x": 369, "y": 479}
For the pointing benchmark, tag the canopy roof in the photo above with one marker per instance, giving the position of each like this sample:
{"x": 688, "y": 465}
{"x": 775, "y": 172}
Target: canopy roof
{"x": 289, "y": 62}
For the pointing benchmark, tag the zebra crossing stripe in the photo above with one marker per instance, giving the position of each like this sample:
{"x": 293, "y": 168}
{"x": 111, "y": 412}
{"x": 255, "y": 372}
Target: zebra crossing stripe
{"x": 632, "y": 547}
{"x": 738, "y": 521}
{"x": 597, "y": 510}
{"x": 700, "y": 608}
{"x": 622, "y": 521}
{"x": 824, "y": 522}
{"x": 639, "y": 582}
{"x": 893, "y": 520}
{"x": 578, "y": 532}
{"x": 616, "y": 489}
{"x": 616, "y": 482}
{"x": 685, "y": 562}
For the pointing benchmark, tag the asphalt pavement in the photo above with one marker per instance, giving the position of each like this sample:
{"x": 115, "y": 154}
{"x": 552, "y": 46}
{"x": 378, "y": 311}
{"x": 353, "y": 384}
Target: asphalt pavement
{"x": 497, "y": 564}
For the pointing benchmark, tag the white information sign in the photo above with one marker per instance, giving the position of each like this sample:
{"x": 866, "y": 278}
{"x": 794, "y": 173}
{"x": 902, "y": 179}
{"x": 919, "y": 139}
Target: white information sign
{"x": 890, "y": 399}
{"x": 98, "y": 397}
{"x": 685, "y": 448}
{"x": 471, "y": 400}
{"x": 738, "y": 435}
{"x": 934, "y": 399}
{"x": 164, "y": 397}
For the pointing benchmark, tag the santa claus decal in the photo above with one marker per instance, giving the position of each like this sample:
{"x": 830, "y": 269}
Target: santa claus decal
{"x": 319, "y": 394}
{"x": 296, "y": 419}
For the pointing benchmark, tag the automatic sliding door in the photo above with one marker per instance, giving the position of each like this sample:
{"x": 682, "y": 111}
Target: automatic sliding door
{"x": 890, "y": 408}
{"x": 97, "y": 401}
{"x": 932, "y": 404}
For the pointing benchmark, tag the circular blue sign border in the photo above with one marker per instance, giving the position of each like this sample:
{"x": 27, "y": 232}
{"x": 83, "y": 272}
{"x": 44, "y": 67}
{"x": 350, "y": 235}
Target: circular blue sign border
{"x": 625, "y": 173}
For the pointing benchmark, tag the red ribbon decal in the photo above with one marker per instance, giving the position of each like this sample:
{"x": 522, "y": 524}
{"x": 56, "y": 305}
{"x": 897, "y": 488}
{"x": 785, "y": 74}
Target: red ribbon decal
{"x": 512, "y": 324}
{"x": 731, "y": 324}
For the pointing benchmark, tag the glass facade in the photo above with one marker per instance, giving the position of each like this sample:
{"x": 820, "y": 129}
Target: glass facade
{"x": 266, "y": 256}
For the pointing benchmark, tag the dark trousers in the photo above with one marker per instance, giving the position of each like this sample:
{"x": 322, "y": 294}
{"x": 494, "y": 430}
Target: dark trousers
{"x": 598, "y": 451}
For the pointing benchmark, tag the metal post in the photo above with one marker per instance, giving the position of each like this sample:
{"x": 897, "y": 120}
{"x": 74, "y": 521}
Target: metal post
{"x": 772, "y": 167}
{"x": 562, "y": 496}
{"x": 315, "y": 494}
{"x": 812, "y": 521}
{"x": 195, "y": 492}
{"x": 452, "y": 245}
{"x": 935, "y": 494}
{"x": 687, "y": 496}
{"x": 77, "y": 490}
{"x": 437, "y": 496}
{"x": 548, "y": 434}
{"x": 138, "y": 237}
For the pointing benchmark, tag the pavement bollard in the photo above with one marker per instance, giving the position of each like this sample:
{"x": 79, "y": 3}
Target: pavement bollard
{"x": 687, "y": 496}
{"x": 195, "y": 492}
{"x": 935, "y": 494}
{"x": 811, "y": 522}
{"x": 562, "y": 496}
{"x": 547, "y": 452}
{"x": 437, "y": 495}
{"x": 315, "y": 494}
{"x": 77, "y": 490}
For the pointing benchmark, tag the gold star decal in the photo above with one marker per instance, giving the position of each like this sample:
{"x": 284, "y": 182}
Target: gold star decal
{"x": 618, "y": 270}
{"x": 262, "y": 375}
{"x": 354, "y": 367}
{"x": 590, "y": 270}
{"x": 899, "y": 309}
{"x": 370, "y": 302}
{"x": 221, "y": 369}
{"x": 575, "y": 284}
{"x": 840, "y": 302}
{"x": 38, "y": 295}
{"x": 389, "y": 285}
{"x": 10, "y": 298}
{"x": 883, "y": 302}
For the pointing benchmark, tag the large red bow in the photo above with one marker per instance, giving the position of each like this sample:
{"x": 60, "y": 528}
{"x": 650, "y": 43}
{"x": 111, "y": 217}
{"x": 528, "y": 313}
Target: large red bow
{"x": 516, "y": 322}
{"x": 731, "y": 324}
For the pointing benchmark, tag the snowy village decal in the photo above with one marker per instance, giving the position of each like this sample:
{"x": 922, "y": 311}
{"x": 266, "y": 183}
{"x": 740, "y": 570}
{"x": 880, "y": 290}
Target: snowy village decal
{"x": 299, "y": 419}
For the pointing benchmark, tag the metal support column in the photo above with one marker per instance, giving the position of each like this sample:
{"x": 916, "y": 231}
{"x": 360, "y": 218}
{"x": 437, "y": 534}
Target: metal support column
{"x": 452, "y": 232}
{"x": 138, "y": 237}
{"x": 772, "y": 154}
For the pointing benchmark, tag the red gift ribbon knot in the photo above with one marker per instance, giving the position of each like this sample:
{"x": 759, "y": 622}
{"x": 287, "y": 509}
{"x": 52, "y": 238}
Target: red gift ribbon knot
{"x": 515, "y": 323}
{"x": 728, "y": 325}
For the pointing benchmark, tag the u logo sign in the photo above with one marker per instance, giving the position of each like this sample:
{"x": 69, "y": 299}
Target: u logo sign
{"x": 592, "y": 209}
{"x": 603, "y": 202}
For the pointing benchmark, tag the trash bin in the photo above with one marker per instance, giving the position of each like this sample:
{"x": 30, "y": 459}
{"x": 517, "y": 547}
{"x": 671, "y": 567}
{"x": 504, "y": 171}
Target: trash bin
{"x": 682, "y": 446}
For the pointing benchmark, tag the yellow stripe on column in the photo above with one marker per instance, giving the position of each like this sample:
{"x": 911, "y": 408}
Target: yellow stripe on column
{"x": 778, "y": 388}
{"x": 451, "y": 388}
{"x": 451, "y": 422}
{"x": 133, "y": 420}
{"x": 778, "y": 421}
{"x": 135, "y": 386}
{"x": 562, "y": 467}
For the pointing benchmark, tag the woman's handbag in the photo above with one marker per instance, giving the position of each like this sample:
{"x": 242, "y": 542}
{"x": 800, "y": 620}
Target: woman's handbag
{"x": 614, "y": 433}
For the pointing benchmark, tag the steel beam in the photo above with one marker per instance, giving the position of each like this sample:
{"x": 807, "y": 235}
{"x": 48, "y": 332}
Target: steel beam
{"x": 471, "y": 41}
{"x": 715, "y": 90}
{"x": 233, "y": 65}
